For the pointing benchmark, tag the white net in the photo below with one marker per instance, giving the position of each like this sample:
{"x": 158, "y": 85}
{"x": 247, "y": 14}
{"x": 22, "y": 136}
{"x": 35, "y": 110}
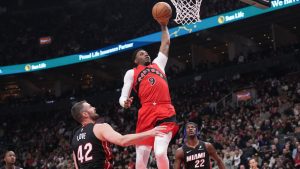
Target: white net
{"x": 187, "y": 11}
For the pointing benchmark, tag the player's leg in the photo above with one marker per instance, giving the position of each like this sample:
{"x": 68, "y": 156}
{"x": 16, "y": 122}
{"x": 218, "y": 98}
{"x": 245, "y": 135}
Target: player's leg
{"x": 142, "y": 156}
{"x": 161, "y": 145}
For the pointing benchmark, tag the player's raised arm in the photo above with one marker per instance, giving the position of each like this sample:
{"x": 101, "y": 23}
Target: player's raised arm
{"x": 162, "y": 58}
{"x": 105, "y": 132}
{"x": 178, "y": 158}
{"x": 213, "y": 153}
{"x": 162, "y": 12}
{"x": 125, "y": 101}
{"x": 165, "y": 40}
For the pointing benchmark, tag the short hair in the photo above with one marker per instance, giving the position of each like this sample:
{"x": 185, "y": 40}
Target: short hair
{"x": 193, "y": 123}
{"x": 77, "y": 109}
{"x": 5, "y": 153}
{"x": 135, "y": 53}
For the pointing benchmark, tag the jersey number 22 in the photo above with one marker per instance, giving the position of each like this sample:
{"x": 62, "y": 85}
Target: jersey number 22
{"x": 199, "y": 163}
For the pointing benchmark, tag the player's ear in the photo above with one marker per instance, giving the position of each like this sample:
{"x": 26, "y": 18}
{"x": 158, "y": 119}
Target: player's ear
{"x": 84, "y": 114}
{"x": 135, "y": 61}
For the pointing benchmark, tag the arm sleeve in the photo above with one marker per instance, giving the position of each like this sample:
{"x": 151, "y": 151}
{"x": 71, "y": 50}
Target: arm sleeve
{"x": 161, "y": 61}
{"x": 128, "y": 81}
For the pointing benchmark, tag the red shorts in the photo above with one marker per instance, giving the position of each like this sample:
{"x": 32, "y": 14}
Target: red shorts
{"x": 152, "y": 115}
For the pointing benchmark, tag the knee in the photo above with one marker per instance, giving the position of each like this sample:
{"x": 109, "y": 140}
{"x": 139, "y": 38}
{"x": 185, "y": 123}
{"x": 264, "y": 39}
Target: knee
{"x": 160, "y": 153}
{"x": 140, "y": 164}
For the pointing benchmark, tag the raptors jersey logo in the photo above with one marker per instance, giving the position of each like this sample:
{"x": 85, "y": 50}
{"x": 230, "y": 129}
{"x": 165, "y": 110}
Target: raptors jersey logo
{"x": 151, "y": 81}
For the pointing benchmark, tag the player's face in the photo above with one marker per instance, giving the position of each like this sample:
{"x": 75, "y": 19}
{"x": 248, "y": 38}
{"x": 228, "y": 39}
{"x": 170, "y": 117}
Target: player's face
{"x": 191, "y": 129}
{"x": 91, "y": 111}
{"x": 142, "y": 58}
{"x": 10, "y": 157}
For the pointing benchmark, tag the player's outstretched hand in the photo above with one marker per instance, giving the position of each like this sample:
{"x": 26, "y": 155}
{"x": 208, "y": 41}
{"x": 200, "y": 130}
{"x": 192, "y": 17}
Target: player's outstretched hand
{"x": 127, "y": 103}
{"x": 158, "y": 131}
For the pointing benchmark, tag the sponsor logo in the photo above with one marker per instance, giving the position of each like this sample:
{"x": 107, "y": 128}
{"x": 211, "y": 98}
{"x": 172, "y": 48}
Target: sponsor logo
{"x": 221, "y": 19}
{"x": 35, "y": 67}
{"x": 228, "y": 18}
{"x": 27, "y": 68}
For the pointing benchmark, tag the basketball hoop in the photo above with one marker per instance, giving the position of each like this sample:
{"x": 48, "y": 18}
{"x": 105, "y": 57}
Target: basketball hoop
{"x": 187, "y": 11}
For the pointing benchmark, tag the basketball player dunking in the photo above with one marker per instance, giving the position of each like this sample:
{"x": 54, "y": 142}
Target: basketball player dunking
{"x": 150, "y": 83}
{"x": 90, "y": 140}
{"x": 195, "y": 153}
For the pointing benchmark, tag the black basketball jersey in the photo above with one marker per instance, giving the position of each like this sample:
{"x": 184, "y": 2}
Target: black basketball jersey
{"x": 90, "y": 152}
{"x": 196, "y": 158}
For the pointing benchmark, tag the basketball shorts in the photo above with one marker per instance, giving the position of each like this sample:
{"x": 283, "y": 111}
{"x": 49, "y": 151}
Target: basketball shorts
{"x": 152, "y": 115}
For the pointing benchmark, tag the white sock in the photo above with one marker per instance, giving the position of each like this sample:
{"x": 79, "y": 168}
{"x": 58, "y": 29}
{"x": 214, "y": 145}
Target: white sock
{"x": 142, "y": 156}
{"x": 161, "y": 150}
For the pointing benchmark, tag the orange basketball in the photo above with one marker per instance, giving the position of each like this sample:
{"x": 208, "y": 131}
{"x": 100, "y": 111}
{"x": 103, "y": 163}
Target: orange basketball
{"x": 162, "y": 12}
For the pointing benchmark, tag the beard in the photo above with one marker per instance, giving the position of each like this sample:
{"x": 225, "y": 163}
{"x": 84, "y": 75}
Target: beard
{"x": 147, "y": 63}
{"x": 95, "y": 116}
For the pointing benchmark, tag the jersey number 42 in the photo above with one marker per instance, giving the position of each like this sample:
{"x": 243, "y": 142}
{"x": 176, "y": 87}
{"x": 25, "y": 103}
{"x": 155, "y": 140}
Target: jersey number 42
{"x": 83, "y": 155}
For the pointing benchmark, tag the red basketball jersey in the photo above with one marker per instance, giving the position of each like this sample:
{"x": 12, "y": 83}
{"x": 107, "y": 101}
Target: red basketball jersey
{"x": 151, "y": 84}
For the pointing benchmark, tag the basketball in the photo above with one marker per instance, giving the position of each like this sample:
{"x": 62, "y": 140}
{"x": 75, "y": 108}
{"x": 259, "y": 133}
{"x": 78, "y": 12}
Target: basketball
{"x": 162, "y": 12}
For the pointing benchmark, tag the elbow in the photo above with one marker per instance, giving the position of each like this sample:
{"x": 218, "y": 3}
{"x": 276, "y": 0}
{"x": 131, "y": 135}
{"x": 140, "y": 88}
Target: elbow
{"x": 124, "y": 145}
{"x": 121, "y": 102}
{"x": 167, "y": 42}
{"x": 124, "y": 142}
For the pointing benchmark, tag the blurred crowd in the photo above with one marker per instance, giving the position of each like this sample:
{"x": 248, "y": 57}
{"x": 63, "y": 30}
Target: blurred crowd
{"x": 81, "y": 26}
{"x": 40, "y": 141}
{"x": 265, "y": 53}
